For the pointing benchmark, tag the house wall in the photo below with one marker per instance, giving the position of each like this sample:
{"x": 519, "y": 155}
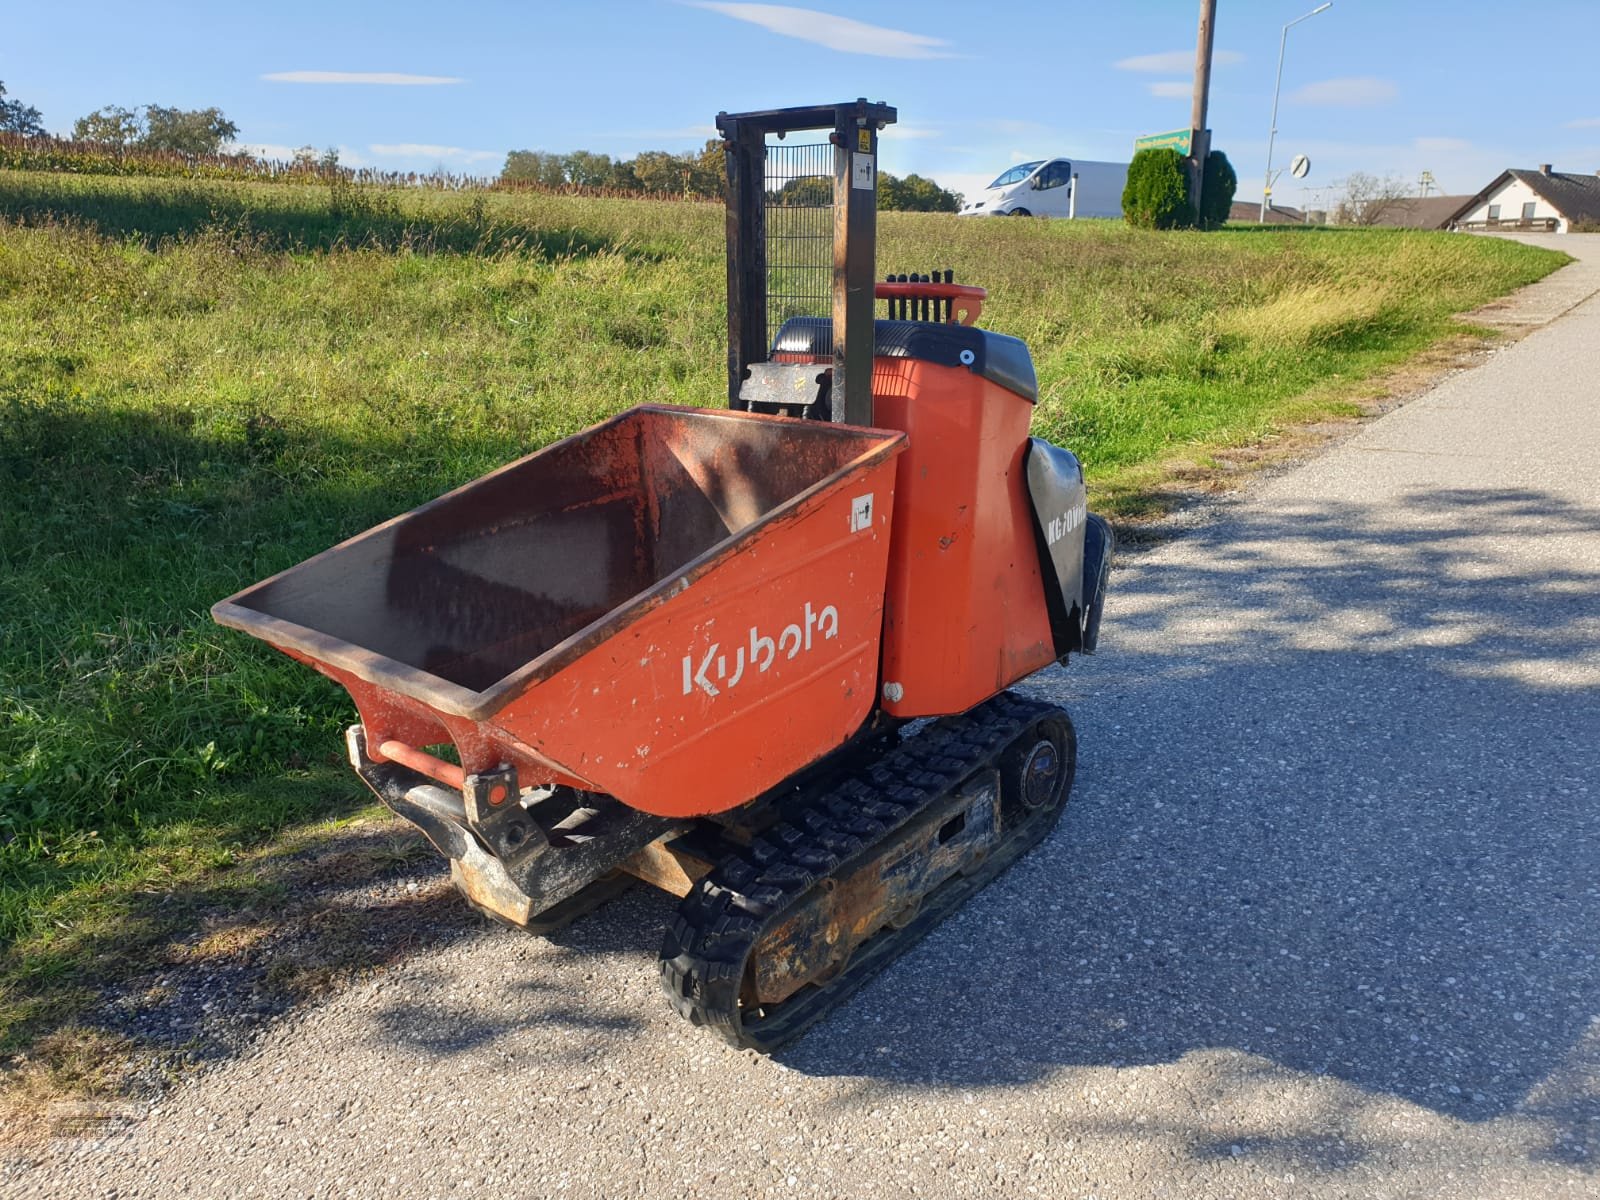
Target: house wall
{"x": 1511, "y": 196}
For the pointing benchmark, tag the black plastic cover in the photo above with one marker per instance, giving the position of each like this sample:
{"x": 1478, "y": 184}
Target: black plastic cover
{"x": 995, "y": 356}
{"x": 1075, "y": 547}
{"x": 1099, "y": 544}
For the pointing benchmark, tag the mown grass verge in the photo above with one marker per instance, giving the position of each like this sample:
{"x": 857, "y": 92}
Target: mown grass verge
{"x": 201, "y": 384}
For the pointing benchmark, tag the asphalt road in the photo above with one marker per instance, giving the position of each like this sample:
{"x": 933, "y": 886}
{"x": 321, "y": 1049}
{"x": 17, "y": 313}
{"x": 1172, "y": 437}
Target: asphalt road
{"x": 1321, "y": 920}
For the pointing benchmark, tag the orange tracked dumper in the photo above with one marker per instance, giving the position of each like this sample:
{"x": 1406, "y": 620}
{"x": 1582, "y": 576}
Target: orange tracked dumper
{"x": 756, "y": 656}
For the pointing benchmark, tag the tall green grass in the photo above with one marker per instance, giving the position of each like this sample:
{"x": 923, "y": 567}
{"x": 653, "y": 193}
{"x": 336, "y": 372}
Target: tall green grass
{"x": 203, "y": 383}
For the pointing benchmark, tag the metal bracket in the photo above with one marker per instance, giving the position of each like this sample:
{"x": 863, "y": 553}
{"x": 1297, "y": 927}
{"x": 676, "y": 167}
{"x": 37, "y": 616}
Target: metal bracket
{"x": 785, "y": 385}
{"x": 495, "y": 814}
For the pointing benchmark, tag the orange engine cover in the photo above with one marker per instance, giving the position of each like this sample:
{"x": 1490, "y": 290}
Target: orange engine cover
{"x": 964, "y": 606}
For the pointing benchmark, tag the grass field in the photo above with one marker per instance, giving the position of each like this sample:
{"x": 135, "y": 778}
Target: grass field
{"x": 201, "y": 384}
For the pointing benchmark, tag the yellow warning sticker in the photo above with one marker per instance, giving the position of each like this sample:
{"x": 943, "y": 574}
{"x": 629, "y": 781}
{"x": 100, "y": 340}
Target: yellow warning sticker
{"x": 864, "y": 140}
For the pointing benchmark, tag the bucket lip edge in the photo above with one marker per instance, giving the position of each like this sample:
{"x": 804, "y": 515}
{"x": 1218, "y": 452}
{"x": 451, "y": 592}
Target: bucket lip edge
{"x": 323, "y": 649}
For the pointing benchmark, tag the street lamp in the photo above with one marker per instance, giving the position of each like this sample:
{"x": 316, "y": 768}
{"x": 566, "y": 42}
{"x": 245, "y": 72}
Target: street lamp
{"x": 1266, "y": 187}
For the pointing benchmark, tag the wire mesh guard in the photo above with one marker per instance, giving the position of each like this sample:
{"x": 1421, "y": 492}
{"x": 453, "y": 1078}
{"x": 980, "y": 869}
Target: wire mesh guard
{"x": 799, "y": 228}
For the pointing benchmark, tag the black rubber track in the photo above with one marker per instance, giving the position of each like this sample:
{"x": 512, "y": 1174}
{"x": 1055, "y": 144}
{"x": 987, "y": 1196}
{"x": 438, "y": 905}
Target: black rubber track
{"x": 706, "y": 951}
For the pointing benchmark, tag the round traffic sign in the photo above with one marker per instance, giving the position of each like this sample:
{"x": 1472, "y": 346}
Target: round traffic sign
{"x": 1300, "y": 167}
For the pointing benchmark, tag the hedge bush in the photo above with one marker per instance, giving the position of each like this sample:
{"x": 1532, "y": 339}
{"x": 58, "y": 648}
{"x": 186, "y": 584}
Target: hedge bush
{"x": 1216, "y": 195}
{"x": 1157, "y": 193}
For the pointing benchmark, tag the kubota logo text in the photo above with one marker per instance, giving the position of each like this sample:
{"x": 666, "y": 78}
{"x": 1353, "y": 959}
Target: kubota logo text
{"x": 712, "y": 668}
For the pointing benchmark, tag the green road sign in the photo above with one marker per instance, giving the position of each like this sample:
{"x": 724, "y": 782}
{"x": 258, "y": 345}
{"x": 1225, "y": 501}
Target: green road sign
{"x": 1179, "y": 140}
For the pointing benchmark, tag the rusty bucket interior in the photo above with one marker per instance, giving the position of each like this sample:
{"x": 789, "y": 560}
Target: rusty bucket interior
{"x": 477, "y": 584}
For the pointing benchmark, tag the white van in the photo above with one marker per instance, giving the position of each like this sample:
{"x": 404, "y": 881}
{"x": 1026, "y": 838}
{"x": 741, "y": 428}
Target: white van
{"x": 1053, "y": 187}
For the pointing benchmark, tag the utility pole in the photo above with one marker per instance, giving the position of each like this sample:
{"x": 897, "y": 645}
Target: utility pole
{"x": 1200, "y": 145}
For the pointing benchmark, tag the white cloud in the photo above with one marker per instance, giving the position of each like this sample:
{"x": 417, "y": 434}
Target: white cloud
{"x": 1172, "y": 89}
{"x": 282, "y": 153}
{"x": 1360, "y": 91}
{"x": 427, "y": 150}
{"x": 391, "y": 78}
{"x": 1175, "y": 60}
{"x": 836, "y": 33}
{"x": 894, "y": 132}
{"x": 268, "y": 150}
{"x": 1583, "y": 123}
{"x": 1441, "y": 145}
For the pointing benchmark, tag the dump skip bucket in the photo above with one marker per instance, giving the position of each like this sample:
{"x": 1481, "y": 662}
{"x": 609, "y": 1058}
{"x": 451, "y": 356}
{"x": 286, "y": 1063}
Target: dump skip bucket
{"x": 677, "y": 607}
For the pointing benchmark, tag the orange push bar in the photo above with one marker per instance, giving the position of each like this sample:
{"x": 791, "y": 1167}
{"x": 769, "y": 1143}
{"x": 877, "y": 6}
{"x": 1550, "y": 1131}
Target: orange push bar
{"x": 437, "y": 769}
{"x": 965, "y": 303}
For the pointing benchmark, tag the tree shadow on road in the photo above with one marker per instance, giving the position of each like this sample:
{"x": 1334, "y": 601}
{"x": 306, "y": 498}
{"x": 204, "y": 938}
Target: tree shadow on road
{"x": 1339, "y": 816}
{"x": 547, "y": 982}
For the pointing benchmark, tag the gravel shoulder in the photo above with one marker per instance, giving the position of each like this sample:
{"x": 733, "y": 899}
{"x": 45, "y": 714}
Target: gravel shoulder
{"x": 1321, "y": 919}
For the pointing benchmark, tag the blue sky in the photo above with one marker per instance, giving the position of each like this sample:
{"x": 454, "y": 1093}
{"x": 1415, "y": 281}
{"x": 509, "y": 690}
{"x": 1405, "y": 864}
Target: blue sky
{"x": 1461, "y": 89}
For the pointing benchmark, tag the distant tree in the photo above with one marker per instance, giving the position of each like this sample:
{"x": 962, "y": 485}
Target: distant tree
{"x": 1368, "y": 200}
{"x": 914, "y": 194}
{"x": 586, "y": 169}
{"x": 534, "y": 166}
{"x": 655, "y": 172}
{"x": 17, "y": 117}
{"x": 1217, "y": 190}
{"x": 1157, "y": 192}
{"x": 109, "y": 126}
{"x": 186, "y": 131}
{"x": 709, "y": 170}
{"x": 809, "y": 192}
{"x": 661, "y": 173}
{"x": 622, "y": 178}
